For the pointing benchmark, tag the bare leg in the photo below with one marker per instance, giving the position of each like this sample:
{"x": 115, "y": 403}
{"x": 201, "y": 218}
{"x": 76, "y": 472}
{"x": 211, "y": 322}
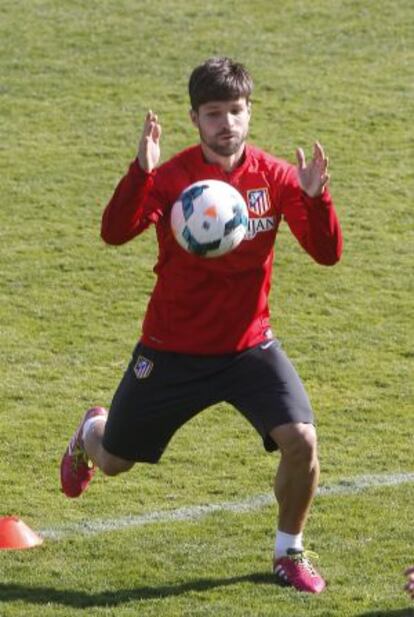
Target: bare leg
{"x": 297, "y": 476}
{"x": 109, "y": 464}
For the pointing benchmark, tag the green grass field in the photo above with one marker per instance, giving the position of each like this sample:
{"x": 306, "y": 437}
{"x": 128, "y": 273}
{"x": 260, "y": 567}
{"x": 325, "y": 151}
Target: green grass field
{"x": 76, "y": 80}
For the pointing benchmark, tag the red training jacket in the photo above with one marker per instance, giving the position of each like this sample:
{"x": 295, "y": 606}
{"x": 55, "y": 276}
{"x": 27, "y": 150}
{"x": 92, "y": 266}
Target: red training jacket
{"x": 218, "y": 305}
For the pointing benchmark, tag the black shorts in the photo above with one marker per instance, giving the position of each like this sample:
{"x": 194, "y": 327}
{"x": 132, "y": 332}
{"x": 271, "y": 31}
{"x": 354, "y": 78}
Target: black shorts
{"x": 162, "y": 390}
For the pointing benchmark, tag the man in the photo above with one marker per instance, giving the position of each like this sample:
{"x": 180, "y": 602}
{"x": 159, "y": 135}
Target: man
{"x": 206, "y": 335}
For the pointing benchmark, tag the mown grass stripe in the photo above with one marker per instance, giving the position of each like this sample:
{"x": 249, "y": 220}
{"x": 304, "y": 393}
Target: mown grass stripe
{"x": 196, "y": 512}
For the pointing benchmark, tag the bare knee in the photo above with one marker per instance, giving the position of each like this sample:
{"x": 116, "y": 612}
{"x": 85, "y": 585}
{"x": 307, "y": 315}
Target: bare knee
{"x": 297, "y": 442}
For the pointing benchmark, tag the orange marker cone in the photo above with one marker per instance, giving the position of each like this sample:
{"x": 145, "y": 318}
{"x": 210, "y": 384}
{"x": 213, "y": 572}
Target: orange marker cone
{"x": 14, "y": 534}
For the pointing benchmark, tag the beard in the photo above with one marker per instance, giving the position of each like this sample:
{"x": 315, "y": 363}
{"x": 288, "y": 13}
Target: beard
{"x": 225, "y": 144}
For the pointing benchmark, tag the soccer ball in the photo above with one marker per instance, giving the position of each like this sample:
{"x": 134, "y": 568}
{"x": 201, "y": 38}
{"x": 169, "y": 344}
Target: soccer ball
{"x": 209, "y": 218}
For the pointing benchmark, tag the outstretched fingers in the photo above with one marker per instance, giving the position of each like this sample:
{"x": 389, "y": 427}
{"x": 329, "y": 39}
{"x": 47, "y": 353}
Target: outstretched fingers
{"x": 152, "y": 127}
{"x": 319, "y": 155}
{"x": 149, "y": 144}
{"x": 321, "y": 161}
{"x": 300, "y": 157}
{"x": 313, "y": 176}
{"x": 318, "y": 151}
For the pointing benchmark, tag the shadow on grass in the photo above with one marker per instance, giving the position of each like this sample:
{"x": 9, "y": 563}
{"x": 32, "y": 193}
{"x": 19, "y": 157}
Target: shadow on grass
{"x": 10, "y": 592}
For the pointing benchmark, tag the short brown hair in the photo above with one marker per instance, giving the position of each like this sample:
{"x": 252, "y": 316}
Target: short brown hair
{"x": 219, "y": 79}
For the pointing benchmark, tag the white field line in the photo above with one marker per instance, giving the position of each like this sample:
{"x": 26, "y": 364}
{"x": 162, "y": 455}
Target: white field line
{"x": 193, "y": 513}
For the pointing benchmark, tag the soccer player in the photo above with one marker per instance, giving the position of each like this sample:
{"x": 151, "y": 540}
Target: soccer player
{"x": 206, "y": 334}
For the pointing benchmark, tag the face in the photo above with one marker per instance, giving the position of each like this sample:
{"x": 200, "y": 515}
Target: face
{"x": 223, "y": 125}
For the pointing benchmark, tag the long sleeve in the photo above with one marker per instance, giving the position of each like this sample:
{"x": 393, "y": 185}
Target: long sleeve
{"x": 313, "y": 221}
{"x": 129, "y": 211}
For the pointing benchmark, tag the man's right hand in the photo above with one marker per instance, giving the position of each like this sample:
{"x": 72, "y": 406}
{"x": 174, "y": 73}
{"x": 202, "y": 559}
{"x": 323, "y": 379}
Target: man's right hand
{"x": 149, "y": 144}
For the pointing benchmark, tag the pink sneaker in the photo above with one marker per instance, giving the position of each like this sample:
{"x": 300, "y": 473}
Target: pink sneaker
{"x": 76, "y": 469}
{"x": 296, "y": 570}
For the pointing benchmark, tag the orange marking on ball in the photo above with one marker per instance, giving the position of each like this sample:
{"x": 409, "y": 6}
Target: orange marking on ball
{"x": 211, "y": 211}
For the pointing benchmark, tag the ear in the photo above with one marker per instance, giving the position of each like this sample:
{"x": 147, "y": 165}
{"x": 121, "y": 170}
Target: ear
{"x": 194, "y": 117}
